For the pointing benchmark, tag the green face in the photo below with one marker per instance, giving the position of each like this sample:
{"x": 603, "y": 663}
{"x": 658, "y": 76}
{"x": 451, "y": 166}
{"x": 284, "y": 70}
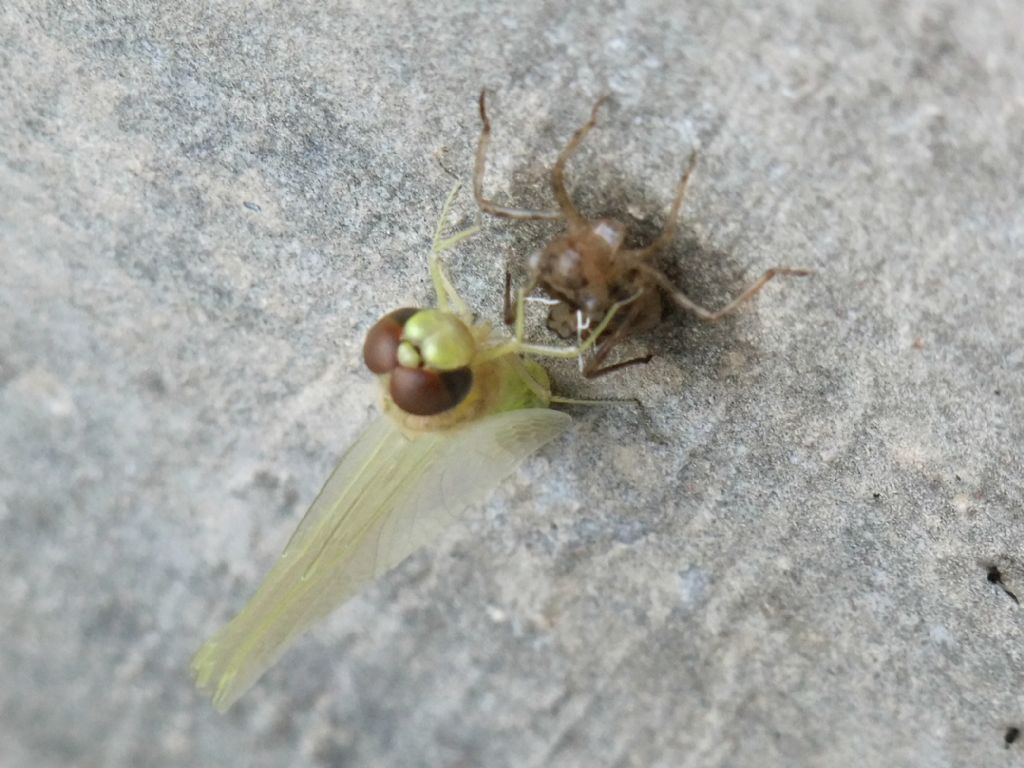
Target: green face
{"x": 441, "y": 340}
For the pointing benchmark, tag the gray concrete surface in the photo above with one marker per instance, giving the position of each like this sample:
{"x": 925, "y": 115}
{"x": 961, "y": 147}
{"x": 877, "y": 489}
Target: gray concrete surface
{"x": 779, "y": 561}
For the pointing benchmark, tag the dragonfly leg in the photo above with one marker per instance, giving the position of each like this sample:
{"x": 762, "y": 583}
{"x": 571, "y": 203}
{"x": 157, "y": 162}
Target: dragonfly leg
{"x": 443, "y": 287}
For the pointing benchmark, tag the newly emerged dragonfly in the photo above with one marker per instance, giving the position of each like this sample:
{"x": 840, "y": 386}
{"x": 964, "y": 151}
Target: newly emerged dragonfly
{"x": 462, "y": 406}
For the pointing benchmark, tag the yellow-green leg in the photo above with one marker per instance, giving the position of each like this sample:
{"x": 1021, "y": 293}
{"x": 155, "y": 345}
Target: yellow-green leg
{"x": 519, "y": 347}
{"x": 447, "y": 296}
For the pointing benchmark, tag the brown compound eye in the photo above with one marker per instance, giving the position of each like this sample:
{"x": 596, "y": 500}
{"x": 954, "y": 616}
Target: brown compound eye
{"x": 423, "y": 392}
{"x": 380, "y": 350}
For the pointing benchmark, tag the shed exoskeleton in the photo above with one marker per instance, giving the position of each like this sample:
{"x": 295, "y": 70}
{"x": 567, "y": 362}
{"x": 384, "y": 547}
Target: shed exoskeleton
{"x": 587, "y": 271}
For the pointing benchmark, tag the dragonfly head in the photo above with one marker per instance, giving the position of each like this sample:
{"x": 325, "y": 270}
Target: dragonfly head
{"x": 427, "y": 355}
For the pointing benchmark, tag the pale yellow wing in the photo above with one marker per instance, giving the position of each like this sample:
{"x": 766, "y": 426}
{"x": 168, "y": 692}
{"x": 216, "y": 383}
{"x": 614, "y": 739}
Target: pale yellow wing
{"x": 389, "y": 495}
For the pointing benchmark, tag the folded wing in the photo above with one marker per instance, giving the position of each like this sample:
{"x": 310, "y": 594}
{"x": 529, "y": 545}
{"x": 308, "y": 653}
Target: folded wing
{"x": 389, "y": 495}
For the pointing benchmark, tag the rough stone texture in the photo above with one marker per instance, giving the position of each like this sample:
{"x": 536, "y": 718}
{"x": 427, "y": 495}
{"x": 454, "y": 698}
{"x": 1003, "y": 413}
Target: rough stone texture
{"x": 779, "y": 560}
